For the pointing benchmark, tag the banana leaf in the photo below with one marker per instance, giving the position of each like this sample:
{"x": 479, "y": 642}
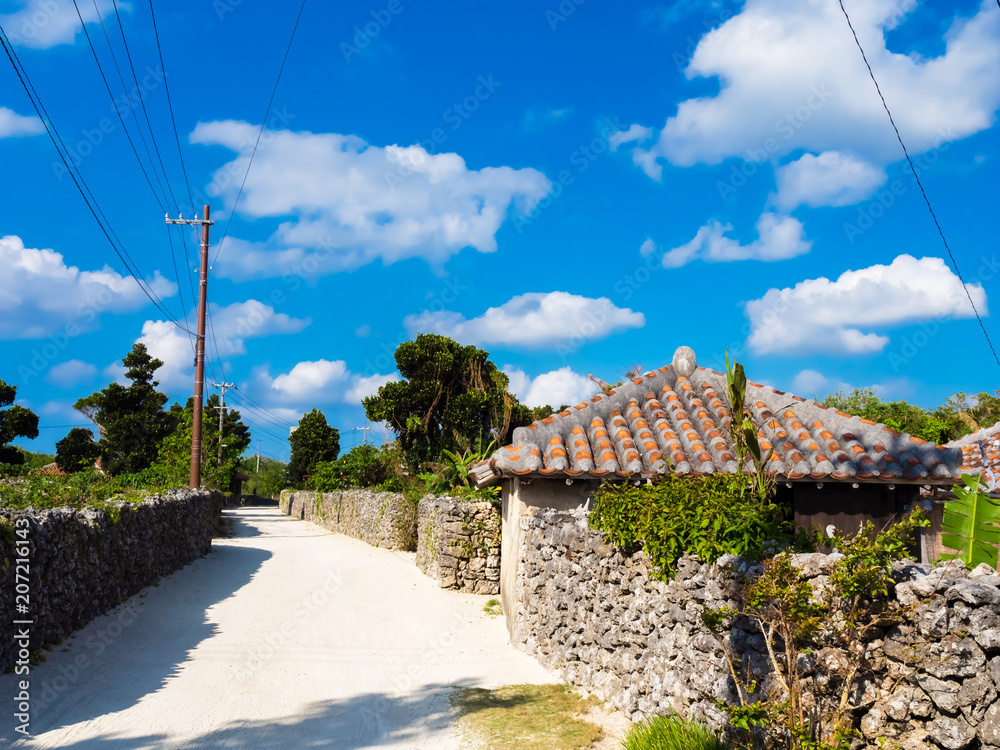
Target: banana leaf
{"x": 970, "y": 525}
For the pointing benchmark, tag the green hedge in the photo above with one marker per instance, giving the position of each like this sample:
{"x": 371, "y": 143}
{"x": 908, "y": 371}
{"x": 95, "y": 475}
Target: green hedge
{"x": 707, "y": 516}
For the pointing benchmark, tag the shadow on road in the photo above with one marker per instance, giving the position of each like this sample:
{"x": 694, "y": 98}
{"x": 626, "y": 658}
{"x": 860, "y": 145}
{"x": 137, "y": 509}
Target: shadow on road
{"x": 363, "y": 721}
{"x": 126, "y": 654}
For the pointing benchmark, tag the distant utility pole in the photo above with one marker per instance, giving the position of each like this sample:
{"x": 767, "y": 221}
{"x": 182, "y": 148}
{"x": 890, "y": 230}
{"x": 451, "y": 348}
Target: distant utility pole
{"x": 222, "y": 411}
{"x": 257, "y": 475}
{"x": 199, "y": 359}
{"x": 364, "y": 431}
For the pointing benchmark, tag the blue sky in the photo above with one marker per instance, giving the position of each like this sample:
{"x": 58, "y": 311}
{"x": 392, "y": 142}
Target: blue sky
{"x": 574, "y": 187}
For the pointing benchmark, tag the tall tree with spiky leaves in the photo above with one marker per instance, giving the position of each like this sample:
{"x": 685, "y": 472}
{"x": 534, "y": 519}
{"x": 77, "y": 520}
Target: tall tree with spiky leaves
{"x": 130, "y": 418}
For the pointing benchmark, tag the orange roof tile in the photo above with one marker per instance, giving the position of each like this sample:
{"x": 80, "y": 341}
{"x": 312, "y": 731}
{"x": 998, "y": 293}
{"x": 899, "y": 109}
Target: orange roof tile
{"x": 673, "y": 419}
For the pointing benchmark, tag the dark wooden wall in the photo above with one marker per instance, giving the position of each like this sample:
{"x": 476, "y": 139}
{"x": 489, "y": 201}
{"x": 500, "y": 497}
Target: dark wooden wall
{"x": 845, "y": 507}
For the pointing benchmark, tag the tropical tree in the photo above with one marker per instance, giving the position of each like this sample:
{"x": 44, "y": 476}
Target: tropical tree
{"x": 130, "y": 418}
{"x": 15, "y": 421}
{"x": 77, "y": 451}
{"x": 452, "y": 398}
{"x": 312, "y": 442}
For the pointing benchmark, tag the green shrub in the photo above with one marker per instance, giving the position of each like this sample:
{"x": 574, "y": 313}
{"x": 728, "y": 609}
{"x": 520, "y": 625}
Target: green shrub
{"x": 362, "y": 466}
{"x": 13, "y": 470}
{"x": 672, "y": 733}
{"x": 708, "y": 516}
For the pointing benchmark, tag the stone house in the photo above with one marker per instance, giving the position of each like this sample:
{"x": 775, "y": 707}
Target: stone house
{"x": 831, "y": 467}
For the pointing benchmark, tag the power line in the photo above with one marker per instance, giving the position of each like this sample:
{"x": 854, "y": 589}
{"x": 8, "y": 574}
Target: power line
{"x": 142, "y": 102}
{"x": 128, "y": 100}
{"x": 916, "y": 177}
{"x": 78, "y": 180}
{"x": 263, "y": 122}
{"x": 262, "y": 413}
{"x": 255, "y": 425}
{"x": 156, "y": 148}
{"x": 107, "y": 86}
{"x": 173, "y": 256}
{"x": 170, "y": 106}
{"x": 263, "y": 408}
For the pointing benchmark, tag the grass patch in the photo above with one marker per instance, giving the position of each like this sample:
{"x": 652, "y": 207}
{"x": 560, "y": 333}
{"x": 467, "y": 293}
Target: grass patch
{"x": 672, "y": 733}
{"x": 493, "y": 607}
{"x": 525, "y": 717}
{"x": 83, "y": 489}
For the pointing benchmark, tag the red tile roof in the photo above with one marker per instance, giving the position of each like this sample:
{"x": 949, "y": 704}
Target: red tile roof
{"x": 677, "y": 418}
{"x": 974, "y": 447}
{"x": 50, "y": 470}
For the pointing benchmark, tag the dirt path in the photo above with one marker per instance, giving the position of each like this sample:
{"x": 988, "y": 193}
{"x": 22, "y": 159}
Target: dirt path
{"x": 284, "y": 636}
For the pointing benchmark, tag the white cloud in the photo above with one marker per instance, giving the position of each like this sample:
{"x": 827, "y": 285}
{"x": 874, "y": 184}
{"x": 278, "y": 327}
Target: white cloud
{"x": 647, "y": 248}
{"x": 532, "y": 320}
{"x": 779, "y": 237}
{"x": 317, "y": 382}
{"x": 833, "y": 178}
{"x": 791, "y": 78}
{"x": 311, "y": 380}
{"x": 13, "y": 124}
{"x": 70, "y": 373}
{"x": 42, "y": 24}
{"x": 40, "y": 293}
{"x": 555, "y": 388}
{"x": 351, "y": 203}
{"x": 819, "y": 315}
{"x": 635, "y": 134}
{"x": 367, "y": 386}
{"x": 233, "y": 325}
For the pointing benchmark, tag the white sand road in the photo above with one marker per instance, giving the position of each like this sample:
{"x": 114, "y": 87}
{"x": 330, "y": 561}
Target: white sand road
{"x": 284, "y": 636}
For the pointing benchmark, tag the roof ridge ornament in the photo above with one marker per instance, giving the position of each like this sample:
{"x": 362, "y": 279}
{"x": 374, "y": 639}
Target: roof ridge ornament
{"x": 684, "y": 362}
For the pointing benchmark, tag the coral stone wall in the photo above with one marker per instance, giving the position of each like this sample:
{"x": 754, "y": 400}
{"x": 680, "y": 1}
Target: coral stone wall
{"x": 458, "y": 544}
{"x": 596, "y": 614}
{"x": 83, "y": 563}
{"x": 383, "y": 519}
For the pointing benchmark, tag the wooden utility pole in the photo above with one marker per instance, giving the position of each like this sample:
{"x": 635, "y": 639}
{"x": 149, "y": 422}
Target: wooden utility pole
{"x": 364, "y": 432}
{"x": 222, "y": 411}
{"x": 199, "y": 358}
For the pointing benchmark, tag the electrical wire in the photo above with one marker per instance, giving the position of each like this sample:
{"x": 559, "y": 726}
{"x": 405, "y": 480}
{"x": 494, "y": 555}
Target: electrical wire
{"x": 78, "y": 180}
{"x": 170, "y": 106}
{"x": 170, "y": 239}
{"x": 916, "y": 177}
{"x": 156, "y": 148}
{"x": 107, "y": 86}
{"x": 266, "y": 410}
{"x": 263, "y": 123}
{"x": 262, "y": 413}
